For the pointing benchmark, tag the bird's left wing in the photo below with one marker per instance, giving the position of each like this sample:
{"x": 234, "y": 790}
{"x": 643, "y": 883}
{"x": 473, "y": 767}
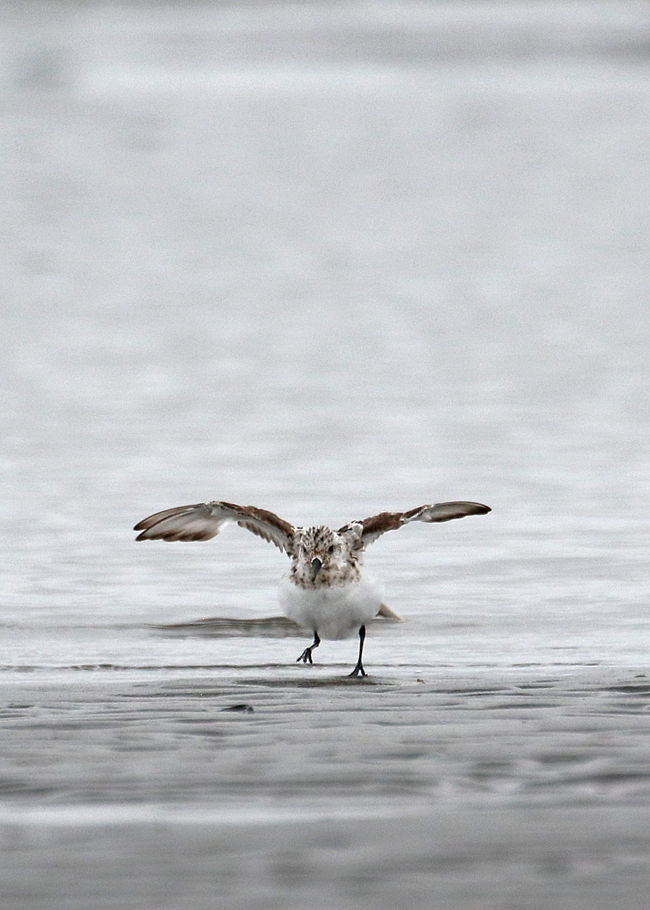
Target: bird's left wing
{"x": 377, "y": 525}
{"x": 203, "y": 520}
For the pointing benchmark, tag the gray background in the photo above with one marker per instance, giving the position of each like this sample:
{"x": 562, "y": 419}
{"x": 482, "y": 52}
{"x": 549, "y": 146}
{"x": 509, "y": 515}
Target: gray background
{"x": 328, "y": 259}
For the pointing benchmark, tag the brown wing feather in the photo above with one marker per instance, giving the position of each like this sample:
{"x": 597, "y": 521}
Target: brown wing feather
{"x": 446, "y": 511}
{"x": 152, "y": 520}
{"x": 203, "y": 521}
{"x": 377, "y": 525}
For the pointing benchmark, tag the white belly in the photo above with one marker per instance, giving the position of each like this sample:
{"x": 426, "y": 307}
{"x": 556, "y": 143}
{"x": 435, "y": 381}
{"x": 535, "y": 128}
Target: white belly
{"x": 336, "y": 612}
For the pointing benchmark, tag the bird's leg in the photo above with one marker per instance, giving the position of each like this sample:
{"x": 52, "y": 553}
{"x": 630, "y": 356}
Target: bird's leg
{"x": 358, "y": 670}
{"x": 305, "y": 657}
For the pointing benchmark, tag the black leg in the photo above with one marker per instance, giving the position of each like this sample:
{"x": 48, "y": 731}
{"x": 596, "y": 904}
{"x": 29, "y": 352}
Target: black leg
{"x": 358, "y": 670}
{"x": 305, "y": 657}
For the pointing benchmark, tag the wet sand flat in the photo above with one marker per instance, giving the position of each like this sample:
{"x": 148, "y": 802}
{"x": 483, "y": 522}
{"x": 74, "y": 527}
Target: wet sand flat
{"x": 280, "y": 786}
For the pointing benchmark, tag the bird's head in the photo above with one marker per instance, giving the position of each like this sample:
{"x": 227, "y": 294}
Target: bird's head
{"x": 322, "y": 556}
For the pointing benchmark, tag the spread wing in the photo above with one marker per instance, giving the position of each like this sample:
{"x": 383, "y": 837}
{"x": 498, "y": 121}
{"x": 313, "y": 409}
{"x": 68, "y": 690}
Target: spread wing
{"x": 204, "y": 520}
{"x": 377, "y": 525}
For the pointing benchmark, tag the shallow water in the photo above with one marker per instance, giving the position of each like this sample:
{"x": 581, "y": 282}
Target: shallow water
{"x": 326, "y": 259}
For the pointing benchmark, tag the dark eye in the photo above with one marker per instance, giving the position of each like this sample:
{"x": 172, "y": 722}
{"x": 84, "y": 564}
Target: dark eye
{"x": 330, "y": 549}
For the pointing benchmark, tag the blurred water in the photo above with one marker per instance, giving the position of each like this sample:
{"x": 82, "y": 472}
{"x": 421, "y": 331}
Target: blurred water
{"x": 326, "y": 259}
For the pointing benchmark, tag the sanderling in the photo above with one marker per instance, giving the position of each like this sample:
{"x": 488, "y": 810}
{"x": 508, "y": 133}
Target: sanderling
{"x": 324, "y": 590}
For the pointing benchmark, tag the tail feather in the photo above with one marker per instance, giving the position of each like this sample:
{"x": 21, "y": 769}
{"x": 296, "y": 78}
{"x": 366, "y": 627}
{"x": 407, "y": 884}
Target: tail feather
{"x": 387, "y": 613}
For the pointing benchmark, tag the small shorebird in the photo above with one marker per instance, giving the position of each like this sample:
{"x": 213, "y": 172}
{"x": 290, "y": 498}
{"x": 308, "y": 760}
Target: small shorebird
{"x": 324, "y": 589}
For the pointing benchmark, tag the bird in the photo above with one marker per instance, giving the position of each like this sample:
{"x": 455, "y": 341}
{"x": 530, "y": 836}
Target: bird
{"x": 324, "y": 590}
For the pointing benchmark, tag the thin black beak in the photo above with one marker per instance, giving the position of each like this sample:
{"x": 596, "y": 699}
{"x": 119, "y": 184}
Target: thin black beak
{"x": 316, "y": 566}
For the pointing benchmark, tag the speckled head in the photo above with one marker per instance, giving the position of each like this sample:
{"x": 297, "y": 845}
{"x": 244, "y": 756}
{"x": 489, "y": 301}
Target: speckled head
{"x": 323, "y": 557}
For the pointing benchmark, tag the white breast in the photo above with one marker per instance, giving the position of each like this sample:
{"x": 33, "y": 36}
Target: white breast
{"x": 333, "y": 612}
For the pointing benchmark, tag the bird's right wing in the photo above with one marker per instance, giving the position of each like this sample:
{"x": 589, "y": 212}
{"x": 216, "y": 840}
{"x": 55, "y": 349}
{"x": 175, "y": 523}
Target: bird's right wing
{"x": 203, "y": 520}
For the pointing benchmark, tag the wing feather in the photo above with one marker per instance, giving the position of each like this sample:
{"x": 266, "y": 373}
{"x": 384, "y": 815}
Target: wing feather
{"x": 377, "y": 525}
{"x": 203, "y": 520}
